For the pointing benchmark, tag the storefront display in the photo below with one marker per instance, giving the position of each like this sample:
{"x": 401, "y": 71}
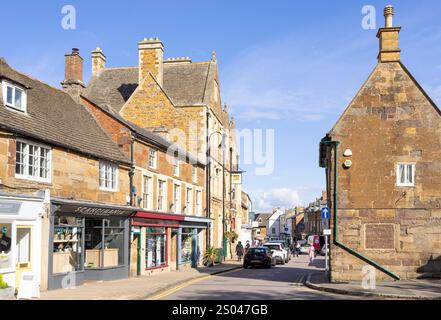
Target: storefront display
{"x": 89, "y": 241}
{"x": 156, "y": 247}
{"x": 5, "y": 246}
{"x": 187, "y": 246}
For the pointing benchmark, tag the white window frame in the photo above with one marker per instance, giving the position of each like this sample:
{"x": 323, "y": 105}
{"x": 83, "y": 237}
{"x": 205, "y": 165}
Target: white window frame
{"x": 5, "y": 86}
{"x": 198, "y": 200}
{"x": 149, "y": 203}
{"x": 406, "y": 183}
{"x": 177, "y": 198}
{"x": 107, "y": 166}
{"x": 25, "y": 160}
{"x": 189, "y": 200}
{"x": 163, "y": 196}
{"x": 155, "y": 158}
{"x": 176, "y": 165}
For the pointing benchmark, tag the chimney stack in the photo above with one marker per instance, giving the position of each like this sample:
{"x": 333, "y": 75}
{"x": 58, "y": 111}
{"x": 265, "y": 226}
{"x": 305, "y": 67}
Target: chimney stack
{"x": 151, "y": 58}
{"x": 73, "y": 74}
{"x": 389, "y": 51}
{"x": 98, "y": 61}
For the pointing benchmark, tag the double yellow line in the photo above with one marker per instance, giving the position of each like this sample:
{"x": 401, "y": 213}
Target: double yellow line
{"x": 167, "y": 292}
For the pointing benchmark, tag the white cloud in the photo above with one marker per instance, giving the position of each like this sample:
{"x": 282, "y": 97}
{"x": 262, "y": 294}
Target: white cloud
{"x": 266, "y": 200}
{"x": 287, "y": 78}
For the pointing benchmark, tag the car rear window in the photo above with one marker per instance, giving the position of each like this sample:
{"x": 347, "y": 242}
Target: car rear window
{"x": 273, "y": 246}
{"x": 258, "y": 250}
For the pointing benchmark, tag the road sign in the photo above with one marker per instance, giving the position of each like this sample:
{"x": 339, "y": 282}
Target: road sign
{"x": 325, "y": 213}
{"x": 327, "y": 232}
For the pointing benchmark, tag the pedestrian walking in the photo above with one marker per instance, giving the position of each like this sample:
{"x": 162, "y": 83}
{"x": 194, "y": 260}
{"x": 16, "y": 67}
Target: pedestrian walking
{"x": 297, "y": 249}
{"x": 239, "y": 251}
{"x": 311, "y": 251}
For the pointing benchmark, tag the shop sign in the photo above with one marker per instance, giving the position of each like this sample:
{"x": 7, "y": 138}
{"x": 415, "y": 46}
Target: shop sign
{"x": 236, "y": 178}
{"x": 94, "y": 211}
{"x": 10, "y": 207}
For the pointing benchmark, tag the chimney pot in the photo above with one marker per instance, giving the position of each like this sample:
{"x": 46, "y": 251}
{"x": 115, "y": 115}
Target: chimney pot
{"x": 98, "y": 60}
{"x": 388, "y": 15}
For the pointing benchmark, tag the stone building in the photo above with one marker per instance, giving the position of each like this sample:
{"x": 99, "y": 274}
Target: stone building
{"x": 168, "y": 184}
{"x": 383, "y": 161}
{"x": 64, "y": 184}
{"x": 180, "y": 100}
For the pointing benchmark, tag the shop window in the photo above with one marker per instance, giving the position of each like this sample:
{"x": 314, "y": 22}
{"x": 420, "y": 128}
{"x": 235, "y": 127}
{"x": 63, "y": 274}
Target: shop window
{"x": 156, "y": 244}
{"x": 67, "y": 244}
{"x": 186, "y": 245}
{"x": 32, "y": 162}
{"x": 23, "y": 254}
{"x": 6, "y": 257}
{"x": 104, "y": 243}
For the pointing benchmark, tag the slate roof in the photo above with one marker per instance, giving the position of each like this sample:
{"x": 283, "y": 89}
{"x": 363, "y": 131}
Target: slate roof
{"x": 185, "y": 84}
{"x": 55, "y": 118}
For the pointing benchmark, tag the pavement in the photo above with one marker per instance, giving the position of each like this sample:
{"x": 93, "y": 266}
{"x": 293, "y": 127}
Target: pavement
{"x": 413, "y": 289}
{"x": 139, "y": 288}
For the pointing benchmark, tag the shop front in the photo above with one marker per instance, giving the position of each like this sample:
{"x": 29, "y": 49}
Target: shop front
{"x": 88, "y": 241}
{"x": 20, "y": 237}
{"x": 166, "y": 241}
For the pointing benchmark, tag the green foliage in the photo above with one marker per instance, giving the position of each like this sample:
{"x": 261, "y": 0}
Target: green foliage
{"x": 210, "y": 256}
{"x": 3, "y": 285}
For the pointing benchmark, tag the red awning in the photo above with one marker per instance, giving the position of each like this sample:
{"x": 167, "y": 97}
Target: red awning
{"x": 154, "y": 224}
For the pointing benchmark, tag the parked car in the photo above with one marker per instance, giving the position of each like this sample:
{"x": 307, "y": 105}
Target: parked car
{"x": 278, "y": 251}
{"x": 304, "y": 249}
{"x": 285, "y": 246}
{"x": 259, "y": 256}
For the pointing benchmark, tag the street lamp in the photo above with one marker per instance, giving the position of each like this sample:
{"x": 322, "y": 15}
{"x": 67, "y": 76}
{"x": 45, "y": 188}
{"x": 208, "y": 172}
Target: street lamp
{"x": 208, "y": 204}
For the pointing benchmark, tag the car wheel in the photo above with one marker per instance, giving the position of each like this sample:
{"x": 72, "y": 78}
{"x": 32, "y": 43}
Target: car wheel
{"x": 283, "y": 262}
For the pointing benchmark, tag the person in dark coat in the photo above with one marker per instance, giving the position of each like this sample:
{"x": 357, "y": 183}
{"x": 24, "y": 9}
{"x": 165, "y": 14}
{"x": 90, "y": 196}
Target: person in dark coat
{"x": 239, "y": 251}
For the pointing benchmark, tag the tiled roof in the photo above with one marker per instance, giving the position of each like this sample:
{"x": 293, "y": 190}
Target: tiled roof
{"x": 185, "y": 84}
{"x": 55, "y": 118}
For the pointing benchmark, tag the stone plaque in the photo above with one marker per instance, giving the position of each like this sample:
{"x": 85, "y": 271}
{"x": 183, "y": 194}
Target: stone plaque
{"x": 380, "y": 236}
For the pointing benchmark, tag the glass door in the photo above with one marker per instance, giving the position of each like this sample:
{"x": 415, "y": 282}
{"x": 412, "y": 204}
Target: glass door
{"x": 23, "y": 249}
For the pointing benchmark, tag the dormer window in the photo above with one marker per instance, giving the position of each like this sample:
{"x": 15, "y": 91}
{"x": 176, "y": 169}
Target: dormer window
{"x": 14, "y": 96}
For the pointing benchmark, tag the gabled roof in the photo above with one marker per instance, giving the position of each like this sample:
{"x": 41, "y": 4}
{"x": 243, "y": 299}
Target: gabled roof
{"x": 55, "y": 118}
{"x": 144, "y": 134}
{"x": 185, "y": 84}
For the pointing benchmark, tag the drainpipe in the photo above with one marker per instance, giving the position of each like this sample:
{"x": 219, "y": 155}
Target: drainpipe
{"x": 336, "y": 240}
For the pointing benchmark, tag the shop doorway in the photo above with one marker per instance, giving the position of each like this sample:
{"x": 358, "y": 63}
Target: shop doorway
{"x": 23, "y": 249}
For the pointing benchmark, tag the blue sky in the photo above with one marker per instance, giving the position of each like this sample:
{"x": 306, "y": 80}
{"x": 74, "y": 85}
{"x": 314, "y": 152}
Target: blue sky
{"x": 291, "y": 66}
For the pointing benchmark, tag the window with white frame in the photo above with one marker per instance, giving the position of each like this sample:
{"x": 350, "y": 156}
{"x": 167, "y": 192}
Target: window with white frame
{"x": 198, "y": 202}
{"x": 108, "y": 176}
{"x": 176, "y": 198}
{"x": 176, "y": 167}
{"x": 188, "y": 201}
{"x": 161, "y": 194}
{"x": 14, "y": 96}
{"x": 146, "y": 192}
{"x": 405, "y": 174}
{"x": 152, "y": 158}
{"x": 194, "y": 174}
{"x": 32, "y": 161}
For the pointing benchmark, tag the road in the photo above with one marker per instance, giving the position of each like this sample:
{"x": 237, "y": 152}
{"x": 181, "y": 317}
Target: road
{"x": 283, "y": 282}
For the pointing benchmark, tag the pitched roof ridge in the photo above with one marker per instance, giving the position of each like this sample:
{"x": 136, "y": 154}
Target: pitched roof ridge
{"x": 117, "y": 68}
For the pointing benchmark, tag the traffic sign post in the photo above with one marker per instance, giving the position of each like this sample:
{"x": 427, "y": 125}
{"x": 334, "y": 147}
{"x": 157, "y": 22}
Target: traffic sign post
{"x": 326, "y": 233}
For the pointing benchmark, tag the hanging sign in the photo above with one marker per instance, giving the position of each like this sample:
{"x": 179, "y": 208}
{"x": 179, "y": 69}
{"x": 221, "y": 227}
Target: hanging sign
{"x": 236, "y": 178}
